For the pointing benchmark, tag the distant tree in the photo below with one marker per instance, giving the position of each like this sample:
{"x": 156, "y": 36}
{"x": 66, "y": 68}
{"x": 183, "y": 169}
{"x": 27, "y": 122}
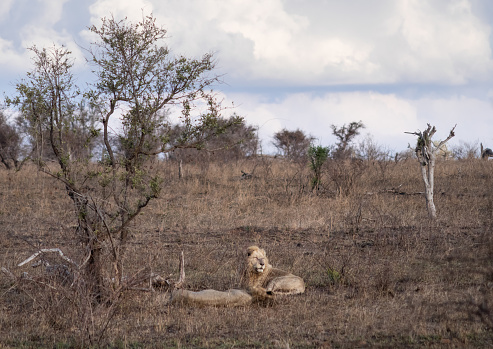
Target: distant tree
{"x": 486, "y": 153}
{"x": 236, "y": 142}
{"x": 345, "y": 135}
{"x": 369, "y": 149}
{"x": 374, "y": 154}
{"x": 426, "y": 152}
{"x": 292, "y": 145}
{"x": 10, "y": 144}
{"x": 467, "y": 150}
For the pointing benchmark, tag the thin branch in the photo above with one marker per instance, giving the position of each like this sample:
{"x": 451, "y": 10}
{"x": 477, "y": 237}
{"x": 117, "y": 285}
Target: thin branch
{"x": 8, "y": 273}
{"x": 181, "y": 280}
{"x": 451, "y": 134}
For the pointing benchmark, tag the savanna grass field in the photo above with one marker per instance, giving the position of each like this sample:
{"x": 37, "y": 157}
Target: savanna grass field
{"x": 378, "y": 271}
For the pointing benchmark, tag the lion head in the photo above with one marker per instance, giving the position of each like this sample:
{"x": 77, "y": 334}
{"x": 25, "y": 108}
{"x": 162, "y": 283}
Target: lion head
{"x": 257, "y": 260}
{"x": 256, "y": 272}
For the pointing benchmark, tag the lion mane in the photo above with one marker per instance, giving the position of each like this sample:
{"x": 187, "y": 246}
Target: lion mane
{"x": 260, "y": 282}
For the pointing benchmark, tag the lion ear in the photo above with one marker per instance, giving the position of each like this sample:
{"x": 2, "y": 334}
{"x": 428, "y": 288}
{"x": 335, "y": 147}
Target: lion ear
{"x": 251, "y": 249}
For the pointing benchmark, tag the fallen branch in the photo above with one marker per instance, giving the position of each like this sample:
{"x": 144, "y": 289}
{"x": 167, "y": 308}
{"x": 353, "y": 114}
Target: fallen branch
{"x": 47, "y": 250}
{"x": 8, "y": 273}
{"x": 396, "y": 190}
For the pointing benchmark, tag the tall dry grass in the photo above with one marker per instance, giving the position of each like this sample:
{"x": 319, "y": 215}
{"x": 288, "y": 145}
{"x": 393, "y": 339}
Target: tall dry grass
{"x": 378, "y": 271}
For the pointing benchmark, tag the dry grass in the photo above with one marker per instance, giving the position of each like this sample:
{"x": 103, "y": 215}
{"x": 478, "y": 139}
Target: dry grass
{"x": 378, "y": 272}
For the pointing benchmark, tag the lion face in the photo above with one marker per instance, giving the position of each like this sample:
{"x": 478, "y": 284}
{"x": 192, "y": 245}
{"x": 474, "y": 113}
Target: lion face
{"x": 257, "y": 259}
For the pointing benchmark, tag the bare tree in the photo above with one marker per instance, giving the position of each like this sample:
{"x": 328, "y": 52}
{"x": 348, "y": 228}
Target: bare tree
{"x": 426, "y": 151}
{"x": 465, "y": 150}
{"x": 345, "y": 136}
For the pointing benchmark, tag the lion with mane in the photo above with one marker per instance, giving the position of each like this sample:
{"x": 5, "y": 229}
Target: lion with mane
{"x": 261, "y": 282}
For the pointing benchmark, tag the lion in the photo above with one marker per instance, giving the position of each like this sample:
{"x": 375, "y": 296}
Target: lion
{"x": 209, "y": 297}
{"x": 213, "y": 298}
{"x": 262, "y": 281}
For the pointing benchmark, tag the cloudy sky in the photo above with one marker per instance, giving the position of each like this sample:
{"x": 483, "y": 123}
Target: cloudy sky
{"x": 394, "y": 64}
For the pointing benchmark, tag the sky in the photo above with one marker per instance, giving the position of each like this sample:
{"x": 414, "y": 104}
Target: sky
{"x": 396, "y": 65}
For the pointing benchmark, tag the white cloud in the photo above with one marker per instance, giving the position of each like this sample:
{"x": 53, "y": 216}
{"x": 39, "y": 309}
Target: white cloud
{"x": 310, "y": 43}
{"x": 133, "y": 10}
{"x": 326, "y": 43}
{"x": 260, "y": 40}
{"x": 266, "y": 25}
{"x": 37, "y": 30}
{"x": 437, "y": 42}
{"x": 9, "y": 57}
{"x": 5, "y": 6}
{"x": 51, "y": 12}
{"x": 386, "y": 116}
{"x": 46, "y": 36}
{"x": 40, "y": 29}
{"x": 472, "y": 116}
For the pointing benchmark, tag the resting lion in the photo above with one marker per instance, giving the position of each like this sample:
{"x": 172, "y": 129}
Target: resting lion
{"x": 229, "y": 298}
{"x": 261, "y": 282}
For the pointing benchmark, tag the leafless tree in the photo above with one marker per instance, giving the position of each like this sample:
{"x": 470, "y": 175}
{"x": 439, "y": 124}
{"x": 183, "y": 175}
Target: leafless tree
{"x": 345, "y": 136}
{"x": 426, "y": 151}
{"x": 465, "y": 150}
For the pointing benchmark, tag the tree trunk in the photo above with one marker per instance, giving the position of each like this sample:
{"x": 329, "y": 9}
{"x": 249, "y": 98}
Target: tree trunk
{"x": 428, "y": 173}
{"x": 430, "y": 205}
{"x": 94, "y": 275}
{"x": 93, "y": 269}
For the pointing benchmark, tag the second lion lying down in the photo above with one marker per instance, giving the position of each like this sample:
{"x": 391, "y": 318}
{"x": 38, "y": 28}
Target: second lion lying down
{"x": 261, "y": 282}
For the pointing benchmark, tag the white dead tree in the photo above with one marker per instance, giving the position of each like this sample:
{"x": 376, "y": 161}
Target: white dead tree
{"x": 426, "y": 151}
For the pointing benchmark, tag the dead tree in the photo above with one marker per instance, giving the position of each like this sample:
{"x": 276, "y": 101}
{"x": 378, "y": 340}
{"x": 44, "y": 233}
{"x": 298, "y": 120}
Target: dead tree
{"x": 426, "y": 151}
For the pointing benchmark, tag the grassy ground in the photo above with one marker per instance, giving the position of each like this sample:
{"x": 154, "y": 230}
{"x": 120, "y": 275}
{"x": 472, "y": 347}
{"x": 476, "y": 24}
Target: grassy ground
{"x": 378, "y": 272}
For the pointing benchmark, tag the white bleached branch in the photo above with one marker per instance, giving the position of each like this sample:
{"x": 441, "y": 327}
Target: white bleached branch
{"x": 47, "y": 250}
